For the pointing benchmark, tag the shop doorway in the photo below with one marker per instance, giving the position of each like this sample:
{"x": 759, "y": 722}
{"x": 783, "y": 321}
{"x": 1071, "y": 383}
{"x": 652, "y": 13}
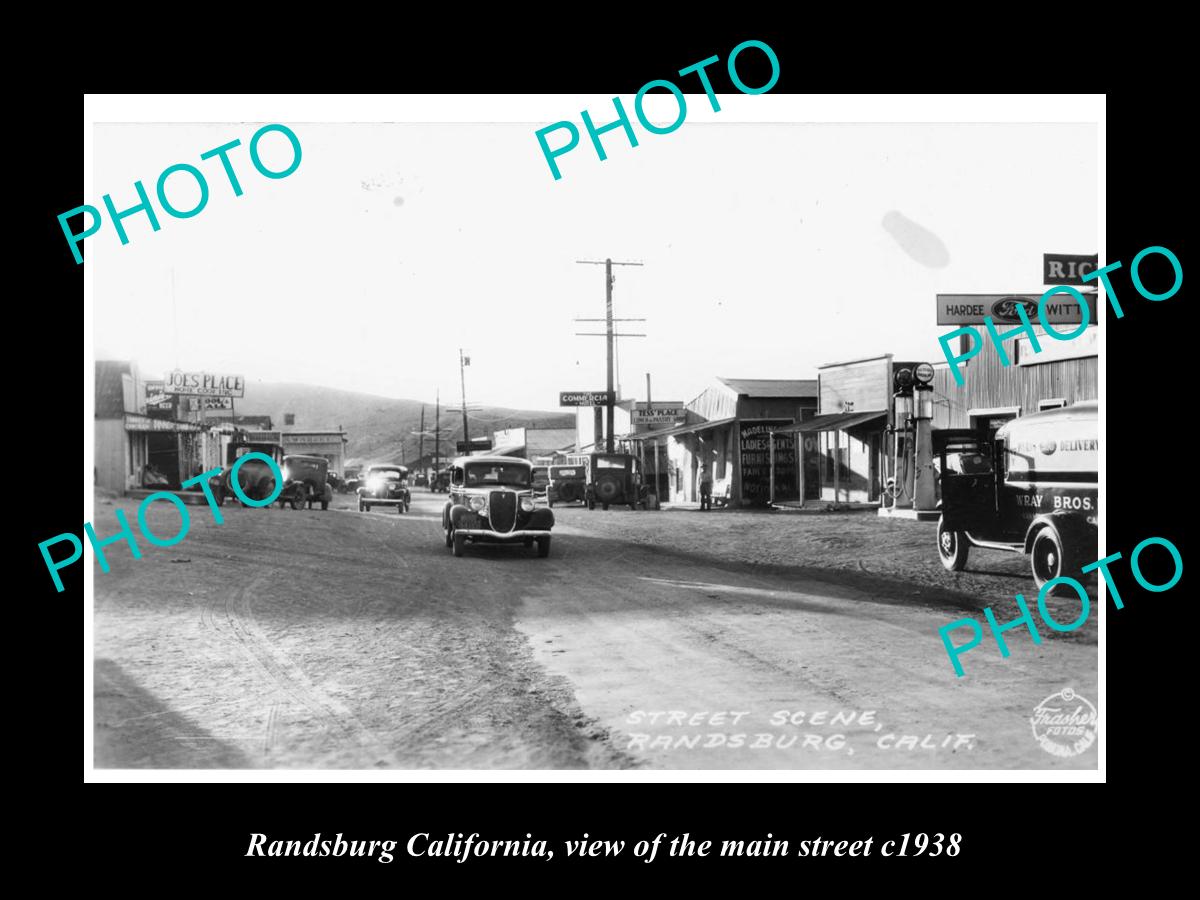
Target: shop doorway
{"x": 163, "y": 455}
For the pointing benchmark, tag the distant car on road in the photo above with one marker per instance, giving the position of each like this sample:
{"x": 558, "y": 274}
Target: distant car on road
{"x": 385, "y": 486}
{"x": 615, "y": 478}
{"x": 306, "y": 480}
{"x": 568, "y": 484}
{"x": 541, "y": 480}
{"x": 441, "y": 482}
{"x": 255, "y": 477}
{"x": 491, "y": 501}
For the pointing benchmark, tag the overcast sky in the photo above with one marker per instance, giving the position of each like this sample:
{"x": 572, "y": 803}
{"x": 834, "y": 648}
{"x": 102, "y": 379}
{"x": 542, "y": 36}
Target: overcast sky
{"x": 768, "y": 250}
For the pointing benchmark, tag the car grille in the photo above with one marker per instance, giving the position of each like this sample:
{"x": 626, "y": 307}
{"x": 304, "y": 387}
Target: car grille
{"x": 502, "y": 510}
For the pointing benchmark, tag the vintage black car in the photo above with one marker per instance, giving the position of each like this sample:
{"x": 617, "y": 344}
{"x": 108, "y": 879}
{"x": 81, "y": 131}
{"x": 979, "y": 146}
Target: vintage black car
{"x": 491, "y": 501}
{"x": 541, "y": 480}
{"x": 441, "y": 482}
{"x": 306, "y": 480}
{"x": 615, "y": 478}
{"x": 568, "y": 484}
{"x": 255, "y": 477}
{"x": 1032, "y": 488}
{"x": 384, "y": 486}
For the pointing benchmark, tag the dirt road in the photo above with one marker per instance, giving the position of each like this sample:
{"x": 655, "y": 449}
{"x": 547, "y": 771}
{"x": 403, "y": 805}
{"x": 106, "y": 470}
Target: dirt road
{"x": 309, "y": 639}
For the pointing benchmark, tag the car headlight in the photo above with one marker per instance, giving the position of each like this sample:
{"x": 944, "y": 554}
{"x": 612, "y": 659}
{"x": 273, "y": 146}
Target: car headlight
{"x": 478, "y": 503}
{"x": 527, "y": 504}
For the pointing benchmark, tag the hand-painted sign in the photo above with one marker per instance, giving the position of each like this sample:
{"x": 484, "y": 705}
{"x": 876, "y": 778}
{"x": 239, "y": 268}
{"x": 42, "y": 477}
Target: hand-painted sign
{"x": 585, "y": 398}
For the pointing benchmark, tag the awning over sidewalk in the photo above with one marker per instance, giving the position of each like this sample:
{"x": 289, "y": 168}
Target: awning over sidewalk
{"x": 837, "y": 422}
{"x": 138, "y": 422}
{"x": 692, "y": 428}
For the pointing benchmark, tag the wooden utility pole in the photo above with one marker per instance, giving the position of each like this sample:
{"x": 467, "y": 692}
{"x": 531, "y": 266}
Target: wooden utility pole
{"x": 462, "y": 373}
{"x": 421, "y": 440}
{"x": 609, "y": 334}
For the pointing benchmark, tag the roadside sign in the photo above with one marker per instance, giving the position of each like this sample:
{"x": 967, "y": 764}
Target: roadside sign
{"x": 970, "y": 309}
{"x": 475, "y": 444}
{"x": 205, "y": 384}
{"x": 585, "y": 398}
{"x": 1067, "y": 268}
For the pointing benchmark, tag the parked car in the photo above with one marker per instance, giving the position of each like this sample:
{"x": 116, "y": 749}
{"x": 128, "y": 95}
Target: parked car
{"x": 491, "y": 501}
{"x": 441, "y": 482}
{"x": 568, "y": 484}
{"x": 541, "y": 480}
{"x": 1032, "y": 488}
{"x": 306, "y": 480}
{"x": 421, "y": 480}
{"x": 352, "y": 480}
{"x": 615, "y": 478}
{"x": 385, "y": 486}
{"x": 255, "y": 477}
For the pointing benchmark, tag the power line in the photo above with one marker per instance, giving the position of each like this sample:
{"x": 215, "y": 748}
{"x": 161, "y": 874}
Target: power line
{"x": 611, "y": 336}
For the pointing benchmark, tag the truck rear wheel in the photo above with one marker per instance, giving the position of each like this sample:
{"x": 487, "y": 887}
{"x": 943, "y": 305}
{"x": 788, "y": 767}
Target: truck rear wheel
{"x": 953, "y": 548}
{"x": 1046, "y": 558}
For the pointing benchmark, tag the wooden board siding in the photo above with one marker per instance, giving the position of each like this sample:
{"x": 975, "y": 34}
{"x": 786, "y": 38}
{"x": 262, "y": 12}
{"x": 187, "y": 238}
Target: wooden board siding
{"x": 987, "y": 385}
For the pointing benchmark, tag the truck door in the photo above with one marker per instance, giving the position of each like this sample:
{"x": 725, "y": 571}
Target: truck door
{"x": 968, "y": 483}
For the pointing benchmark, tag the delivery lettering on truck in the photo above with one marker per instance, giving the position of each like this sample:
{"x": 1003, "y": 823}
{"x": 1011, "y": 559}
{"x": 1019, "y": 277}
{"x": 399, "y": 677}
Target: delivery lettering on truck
{"x": 1032, "y": 488}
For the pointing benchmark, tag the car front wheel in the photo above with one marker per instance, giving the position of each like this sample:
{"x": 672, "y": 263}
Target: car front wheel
{"x": 543, "y": 547}
{"x": 953, "y": 547}
{"x": 460, "y": 542}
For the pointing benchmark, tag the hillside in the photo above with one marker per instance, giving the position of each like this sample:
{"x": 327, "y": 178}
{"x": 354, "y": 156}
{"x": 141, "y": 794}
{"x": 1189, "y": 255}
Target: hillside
{"x": 375, "y": 425}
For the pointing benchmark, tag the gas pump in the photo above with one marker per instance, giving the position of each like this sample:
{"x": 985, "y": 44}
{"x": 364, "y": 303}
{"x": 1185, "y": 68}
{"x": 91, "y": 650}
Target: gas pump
{"x": 913, "y": 485}
{"x": 925, "y": 475}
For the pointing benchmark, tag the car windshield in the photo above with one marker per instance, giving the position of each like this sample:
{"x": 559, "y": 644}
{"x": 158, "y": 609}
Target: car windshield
{"x": 509, "y": 474}
{"x": 566, "y": 472}
{"x": 604, "y": 462}
{"x": 388, "y": 474}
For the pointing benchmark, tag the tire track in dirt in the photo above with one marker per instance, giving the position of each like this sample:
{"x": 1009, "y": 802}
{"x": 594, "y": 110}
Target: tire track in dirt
{"x": 286, "y": 677}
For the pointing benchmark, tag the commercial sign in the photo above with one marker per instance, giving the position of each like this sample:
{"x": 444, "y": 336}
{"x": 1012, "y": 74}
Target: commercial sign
{"x": 195, "y": 404}
{"x": 585, "y": 398}
{"x": 970, "y": 309}
{"x": 1087, "y": 344}
{"x": 1067, "y": 268}
{"x": 332, "y": 437}
{"x": 205, "y": 384}
{"x": 665, "y": 412}
{"x": 156, "y": 397}
{"x": 476, "y": 444}
{"x": 756, "y": 461}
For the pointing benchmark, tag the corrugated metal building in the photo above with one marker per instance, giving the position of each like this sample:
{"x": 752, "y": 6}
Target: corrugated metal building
{"x": 1063, "y": 373}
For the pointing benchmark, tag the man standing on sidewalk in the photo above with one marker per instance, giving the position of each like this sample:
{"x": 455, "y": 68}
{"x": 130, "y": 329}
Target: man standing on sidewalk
{"x": 705, "y": 488}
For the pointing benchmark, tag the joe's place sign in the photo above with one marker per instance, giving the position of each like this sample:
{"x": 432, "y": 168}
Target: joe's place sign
{"x": 204, "y": 384}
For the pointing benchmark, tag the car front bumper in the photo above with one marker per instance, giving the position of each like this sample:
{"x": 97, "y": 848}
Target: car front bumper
{"x": 502, "y": 535}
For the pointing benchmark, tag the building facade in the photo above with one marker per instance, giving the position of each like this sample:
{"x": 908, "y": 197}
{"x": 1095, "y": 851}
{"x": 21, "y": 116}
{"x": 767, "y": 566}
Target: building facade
{"x": 740, "y": 428}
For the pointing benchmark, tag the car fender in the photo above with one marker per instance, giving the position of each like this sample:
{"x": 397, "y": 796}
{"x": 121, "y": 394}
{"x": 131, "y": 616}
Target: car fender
{"x": 1072, "y": 530}
{"x": 541, "y": 519}
{"x": 456, "y": 513}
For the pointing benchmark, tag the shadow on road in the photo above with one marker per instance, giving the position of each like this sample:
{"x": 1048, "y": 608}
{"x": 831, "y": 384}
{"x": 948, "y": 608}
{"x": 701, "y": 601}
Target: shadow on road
{"x": 134, "y": 729}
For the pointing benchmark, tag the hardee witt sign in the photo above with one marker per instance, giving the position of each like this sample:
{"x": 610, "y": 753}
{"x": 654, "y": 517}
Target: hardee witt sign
{"x": 204, "y": 384}
{"x": 970, "y": 309}
{"x": 585, "y": 398}
{"x": 1067, "y": 268}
